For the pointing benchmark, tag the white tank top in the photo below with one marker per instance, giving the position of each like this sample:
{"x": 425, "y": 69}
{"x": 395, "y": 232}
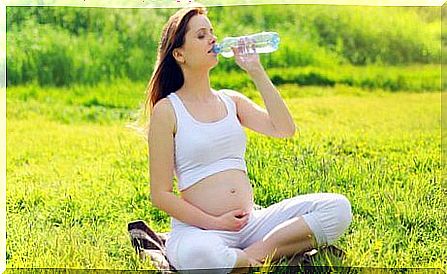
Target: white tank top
{"x": 202, "y": 149}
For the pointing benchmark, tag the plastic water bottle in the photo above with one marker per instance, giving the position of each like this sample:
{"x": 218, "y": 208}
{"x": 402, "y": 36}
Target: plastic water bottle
{"x": 263, "y": 42}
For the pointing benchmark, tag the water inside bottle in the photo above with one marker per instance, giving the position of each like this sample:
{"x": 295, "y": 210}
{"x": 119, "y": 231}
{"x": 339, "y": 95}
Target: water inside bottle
{"x": 264, "y": 48}
{"x": 261, "y": 45}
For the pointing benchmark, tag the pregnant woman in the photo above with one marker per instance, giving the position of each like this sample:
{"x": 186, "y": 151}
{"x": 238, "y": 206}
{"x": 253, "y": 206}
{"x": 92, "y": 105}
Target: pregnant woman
{"x": 197, "y": 132}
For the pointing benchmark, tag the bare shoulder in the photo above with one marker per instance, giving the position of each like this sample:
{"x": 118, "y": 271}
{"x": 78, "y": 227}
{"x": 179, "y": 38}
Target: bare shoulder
{"x": 235, "y": 95}
{"x": 163, "y": 113}
{"x": 163, "y": 106}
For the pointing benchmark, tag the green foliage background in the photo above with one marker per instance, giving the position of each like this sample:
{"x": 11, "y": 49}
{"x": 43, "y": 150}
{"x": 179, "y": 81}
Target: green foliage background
{"x": 63, "y": 45}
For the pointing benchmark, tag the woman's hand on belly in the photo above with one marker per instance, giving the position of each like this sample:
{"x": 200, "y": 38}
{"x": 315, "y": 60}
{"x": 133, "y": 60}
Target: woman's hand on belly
{"x": 233, "y": 220}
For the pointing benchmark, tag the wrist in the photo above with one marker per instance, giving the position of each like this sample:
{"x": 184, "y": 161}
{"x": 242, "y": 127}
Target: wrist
{"x": 254, "y": 72}
{"x": 211, "y": 223}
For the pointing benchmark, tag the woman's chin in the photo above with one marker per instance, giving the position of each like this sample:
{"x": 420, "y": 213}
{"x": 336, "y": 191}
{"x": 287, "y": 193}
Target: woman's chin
{"x": 215, "y": 63}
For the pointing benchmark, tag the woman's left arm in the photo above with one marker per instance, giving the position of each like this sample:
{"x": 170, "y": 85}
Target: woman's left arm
{"x": 277, "y": 120}
{"x": 279, "y": 115}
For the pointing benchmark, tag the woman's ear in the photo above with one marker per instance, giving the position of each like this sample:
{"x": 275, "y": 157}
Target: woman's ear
{"x": 177, "y": 53}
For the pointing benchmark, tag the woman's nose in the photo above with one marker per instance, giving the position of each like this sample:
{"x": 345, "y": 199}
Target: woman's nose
{"x": 213, "y": 39}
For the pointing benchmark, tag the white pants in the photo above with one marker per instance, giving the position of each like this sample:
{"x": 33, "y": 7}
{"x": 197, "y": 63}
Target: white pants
{"x": 190, "y": 247}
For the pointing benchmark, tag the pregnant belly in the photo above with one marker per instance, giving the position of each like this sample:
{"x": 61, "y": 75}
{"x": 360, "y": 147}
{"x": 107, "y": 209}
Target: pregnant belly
{"x": 221, "y": 192}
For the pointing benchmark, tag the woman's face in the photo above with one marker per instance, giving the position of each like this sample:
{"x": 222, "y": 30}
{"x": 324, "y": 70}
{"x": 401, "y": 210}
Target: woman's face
{"x": 199, "y": 40}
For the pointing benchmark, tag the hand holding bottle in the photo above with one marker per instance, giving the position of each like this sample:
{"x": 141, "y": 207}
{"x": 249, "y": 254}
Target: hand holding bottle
{"x": 246, "y": 56}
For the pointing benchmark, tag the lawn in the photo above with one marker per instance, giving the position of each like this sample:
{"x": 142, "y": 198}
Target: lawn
{"x": 76, "y": 175}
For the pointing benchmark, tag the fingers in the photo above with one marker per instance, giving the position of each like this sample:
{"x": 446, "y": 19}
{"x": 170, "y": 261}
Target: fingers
{"x": 250, "y": 46}
{"x": 245, "y": 46}
{"x": 234, "y": 49}
{"x": 241, "y": 225}
{"x": 242, "y": 220}
{"x": 240, "y": 216}
{"x": 238, "y": 212}
{"x": 237, "y": 51}
{"x": 241, "y": 46}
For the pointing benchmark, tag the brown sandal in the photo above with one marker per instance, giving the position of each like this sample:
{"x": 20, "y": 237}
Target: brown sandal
{"x": 148, "y": 243}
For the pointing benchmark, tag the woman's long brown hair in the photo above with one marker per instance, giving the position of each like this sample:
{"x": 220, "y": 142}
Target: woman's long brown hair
{"x": 168, "y": 76}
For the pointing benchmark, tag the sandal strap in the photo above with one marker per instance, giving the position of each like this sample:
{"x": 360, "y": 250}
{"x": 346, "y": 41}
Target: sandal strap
{"x": 142, "y": 236}
{"x": 140, "y": 224}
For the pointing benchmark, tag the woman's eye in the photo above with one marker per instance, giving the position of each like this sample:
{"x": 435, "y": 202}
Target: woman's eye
{"x": 201, "y": 37}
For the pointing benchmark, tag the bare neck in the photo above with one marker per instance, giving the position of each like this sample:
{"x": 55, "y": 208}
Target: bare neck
{"x": 196, "y": 86}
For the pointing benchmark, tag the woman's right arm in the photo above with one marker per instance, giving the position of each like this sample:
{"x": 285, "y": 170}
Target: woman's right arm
{"x": 161, "y": 162}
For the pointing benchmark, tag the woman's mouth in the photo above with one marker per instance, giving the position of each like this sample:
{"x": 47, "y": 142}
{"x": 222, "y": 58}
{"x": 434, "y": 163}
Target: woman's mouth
{"x": 212, "y": 49}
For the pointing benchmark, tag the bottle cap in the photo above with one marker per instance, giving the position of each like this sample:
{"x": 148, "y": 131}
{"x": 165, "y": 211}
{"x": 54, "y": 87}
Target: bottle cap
{"x": 216, "y": 48}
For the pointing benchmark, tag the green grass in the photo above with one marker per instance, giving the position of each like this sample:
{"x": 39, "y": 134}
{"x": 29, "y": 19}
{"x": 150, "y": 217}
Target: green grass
{"x": 76, "y": 175}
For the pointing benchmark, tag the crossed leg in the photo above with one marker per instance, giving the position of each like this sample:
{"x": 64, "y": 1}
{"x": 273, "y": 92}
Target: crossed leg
{"x": 288, "y": 238}
{"x": 296, "y": 225}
